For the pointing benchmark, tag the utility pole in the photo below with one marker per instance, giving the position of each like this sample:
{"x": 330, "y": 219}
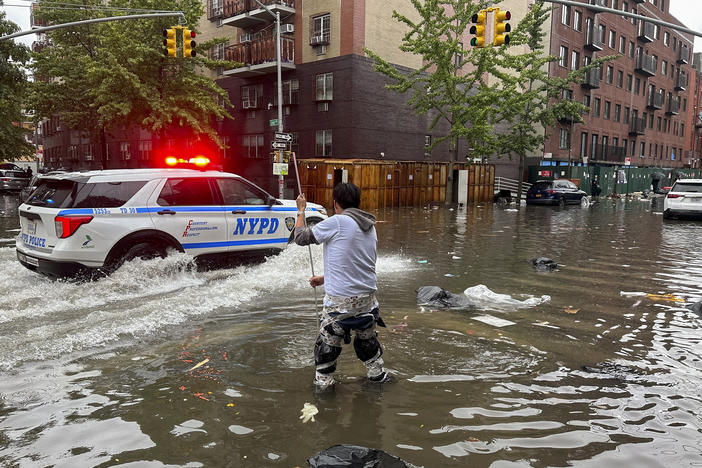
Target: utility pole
{"x": 276, "y": 15}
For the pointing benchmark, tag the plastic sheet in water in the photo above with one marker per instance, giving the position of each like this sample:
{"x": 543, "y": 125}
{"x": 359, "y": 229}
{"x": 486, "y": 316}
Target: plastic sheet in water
{"x": 483, "y": 298}
{"x": 355, "y": 456}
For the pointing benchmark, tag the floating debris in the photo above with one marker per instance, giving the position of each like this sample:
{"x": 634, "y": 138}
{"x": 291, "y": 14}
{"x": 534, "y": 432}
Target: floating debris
{"x": 570, "y": 310}
{"x": 308, "y": 411}
{"x": 494, "y": 321}
{"x": 201, "y": 363}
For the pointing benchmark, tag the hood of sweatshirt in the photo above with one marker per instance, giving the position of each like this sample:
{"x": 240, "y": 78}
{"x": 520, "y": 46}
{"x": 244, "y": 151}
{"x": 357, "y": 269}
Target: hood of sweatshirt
{"x": 364, "y": 220}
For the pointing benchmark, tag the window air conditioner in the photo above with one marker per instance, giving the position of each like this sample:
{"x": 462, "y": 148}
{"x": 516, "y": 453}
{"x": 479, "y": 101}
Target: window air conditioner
{"x": 245, "y": 38}
{"x": 287, "y": 28}
{"x": 316, "y": 40}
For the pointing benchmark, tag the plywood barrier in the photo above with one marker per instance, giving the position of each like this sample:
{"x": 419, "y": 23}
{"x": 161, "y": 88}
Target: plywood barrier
{"x": 391, "y": 184}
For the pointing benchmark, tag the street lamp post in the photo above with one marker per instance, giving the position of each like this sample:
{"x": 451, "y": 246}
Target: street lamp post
{"x": 276, "y": 15}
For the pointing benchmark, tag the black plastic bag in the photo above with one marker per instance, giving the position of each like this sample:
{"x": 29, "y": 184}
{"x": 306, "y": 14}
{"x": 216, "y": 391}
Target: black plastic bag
{"x": 355, "y": 456}
{"x": 434, "y": 296}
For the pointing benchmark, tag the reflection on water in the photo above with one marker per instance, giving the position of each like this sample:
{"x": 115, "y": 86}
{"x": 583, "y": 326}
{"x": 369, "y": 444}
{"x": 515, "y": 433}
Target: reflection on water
{"x": 98, "y": 372}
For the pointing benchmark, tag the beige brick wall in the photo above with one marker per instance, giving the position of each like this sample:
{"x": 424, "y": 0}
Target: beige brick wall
{"x": 312, "y": 8}
{"x": 384, "y": 33}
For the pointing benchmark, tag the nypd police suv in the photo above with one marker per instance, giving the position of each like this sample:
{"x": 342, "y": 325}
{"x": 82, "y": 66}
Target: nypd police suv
{"x": 86, "y": 222}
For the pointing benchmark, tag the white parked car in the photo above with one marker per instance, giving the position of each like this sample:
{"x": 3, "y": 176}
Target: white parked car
{"x": 684, "y": 199}
{"x": 79, "y": 223}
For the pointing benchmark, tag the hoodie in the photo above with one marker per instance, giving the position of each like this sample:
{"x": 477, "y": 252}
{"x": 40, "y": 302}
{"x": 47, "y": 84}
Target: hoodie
{"x": 364, "y": 220}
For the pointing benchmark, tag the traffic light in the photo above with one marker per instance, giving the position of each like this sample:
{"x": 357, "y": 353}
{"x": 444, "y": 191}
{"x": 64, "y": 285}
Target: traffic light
{"x": 478, "y": 29}
{"x": 169, "y": 41}
{"x": 500, "y": 35}
{"x": 188, "y": 43}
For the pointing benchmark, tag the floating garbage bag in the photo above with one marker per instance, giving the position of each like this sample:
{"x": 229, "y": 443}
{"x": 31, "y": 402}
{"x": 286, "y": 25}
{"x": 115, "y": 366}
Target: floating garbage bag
{"x": 434, "y": 296}
{"x": 484, "y": 298}
{"x": 355, "y": 456}
{"x": 543, "y": 264}
{"x": 696, "y": 308}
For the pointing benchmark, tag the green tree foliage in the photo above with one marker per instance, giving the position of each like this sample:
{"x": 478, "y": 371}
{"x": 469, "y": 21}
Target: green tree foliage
{"x": 13, "y": 84}
{"x": 113, "y": 75}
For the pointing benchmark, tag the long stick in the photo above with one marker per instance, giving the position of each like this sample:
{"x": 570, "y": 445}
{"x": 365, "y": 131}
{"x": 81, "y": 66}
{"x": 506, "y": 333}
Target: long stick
{"x": 309, "y": 247}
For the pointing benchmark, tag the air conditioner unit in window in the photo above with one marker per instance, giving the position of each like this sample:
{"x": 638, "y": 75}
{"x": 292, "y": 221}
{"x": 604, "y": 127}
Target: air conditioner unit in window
{"x": 316, "y": 40}
{"x": 246, "y": 38}
{"x": 287, "y": 28}
{"x": 248, "y": 104}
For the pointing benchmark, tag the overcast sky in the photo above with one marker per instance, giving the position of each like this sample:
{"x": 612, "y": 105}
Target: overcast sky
{"x": 687, "y": 11}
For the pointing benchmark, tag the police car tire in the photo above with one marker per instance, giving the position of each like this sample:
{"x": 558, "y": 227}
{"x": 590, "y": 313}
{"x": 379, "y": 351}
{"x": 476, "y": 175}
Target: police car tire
{"x": 144, "y": 251}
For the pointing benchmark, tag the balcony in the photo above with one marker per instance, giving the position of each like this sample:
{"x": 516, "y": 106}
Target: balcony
{"x": 247, "y": 13}
{"x": 681, "y": 81}
{"x": 610, "y": 153}
{"x": 683, "y": 55}
{"x": 638, "y": 126}
{"x": 258, "y": 56}
{"x": 591, "y": 80}
{"x": 646, "y": 32}
{"x": 38, "y": 46}
{"x": 655, "y": 101}
{"x": 592, "y": 39}
{"x": 673, "y": 107}
{"x": 645, "y": 65}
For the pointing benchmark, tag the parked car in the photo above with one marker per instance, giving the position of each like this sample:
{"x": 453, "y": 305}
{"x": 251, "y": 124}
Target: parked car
{"x": 10, "y": 167}
{"x": 13, "y": 181}
{"x": 559, "y": 192}
{"x": 684, "y": 199}
{"x": 89, "y": 223}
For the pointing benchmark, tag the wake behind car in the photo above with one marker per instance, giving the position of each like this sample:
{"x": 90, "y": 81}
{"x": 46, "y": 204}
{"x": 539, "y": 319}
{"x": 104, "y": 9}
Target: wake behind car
{"x": 684, "y": 199}
{"x": 82, "y": 223}
{"x": 559, "y": 192}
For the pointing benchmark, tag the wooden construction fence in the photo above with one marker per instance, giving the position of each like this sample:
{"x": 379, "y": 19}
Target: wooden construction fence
{"x": 391, "y": 184}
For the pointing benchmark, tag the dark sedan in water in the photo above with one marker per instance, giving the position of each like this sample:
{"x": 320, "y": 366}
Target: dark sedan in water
{"x": 554, "y": 192}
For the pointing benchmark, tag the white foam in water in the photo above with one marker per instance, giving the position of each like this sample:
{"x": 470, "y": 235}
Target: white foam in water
{"x": 43, "y": 319}
{"x": 484, "y": 298}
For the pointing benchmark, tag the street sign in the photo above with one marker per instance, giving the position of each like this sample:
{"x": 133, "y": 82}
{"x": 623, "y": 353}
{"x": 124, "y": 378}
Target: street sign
{"x": 279, "y": 145}
{"x": 627, "y": 161}
{"x": 273, "y": 122}
{"x": 283, "y": 136}
{"x": 280, "y": 169}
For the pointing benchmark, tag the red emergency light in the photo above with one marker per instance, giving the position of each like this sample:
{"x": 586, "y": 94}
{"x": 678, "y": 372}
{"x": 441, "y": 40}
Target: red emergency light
{"x": 198, "y": 161}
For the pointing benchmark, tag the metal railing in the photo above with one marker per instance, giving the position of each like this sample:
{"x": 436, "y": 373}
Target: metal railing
{"x": 503, "y": 183}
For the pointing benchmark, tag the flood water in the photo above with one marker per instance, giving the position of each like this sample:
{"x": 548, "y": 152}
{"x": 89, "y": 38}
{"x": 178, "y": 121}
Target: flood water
{"x": 97, "y": 374}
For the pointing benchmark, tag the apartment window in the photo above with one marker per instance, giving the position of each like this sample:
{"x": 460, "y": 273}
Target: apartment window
{"x": 124, "y": 152}
{"x": 583, "y": 144}
{"x": 586, "y": 102}
{"x": 325, "y": 86}
{"x": 666, "y": 38}
{"x": 626, "y": 115}
{"x": 607, "y": 106}
{"x": 656, "y": 32}
{"x": 610, "y": 74}
{"x": 320, "y": 27}
{"x": 563, "y": 60}
{"x": 597, "y": 107}
{"x": 622, "y": 45}
{"x": 625, "y": 144}
{"x": 565, "y": 15}
{"x": 253, "y": 146}
{"x": 615, "y": 5}
{"x": 664, "y": 67}
{"x": 145, "y": 150}
{"x": 323, "y": 139}
{"x": 604, "y": 146}
{"x": 617, "y": 112}
{"x": 675, "y": 42}
{"x": 612, "y": 39}
{"x": 642, "y": 149}
{"x": 88, "y": 152}
{"x": 629, "y": 79}
{"x": 295, "y": 143}
{"x": 637, "y": 86}
{"x": 577, "y": 20}
{"x": 651, "y": 91}
{"x": 291, "y": 93}
{"x": 615, "y": 142}
{"x": 563, "y": 142}
{"x": 250, "y": 96}
{"x": 602, "y": 31}
{"x": 650, "y": 121}
{"x": 684, "y": 106}
{"x": 575, "y": 60}
{"x": 620, "y": 78}
{"x": 632, "y": 146}
{"x": 631, "y": 49}
{"x": 593, "y": 146}
{"x": 658, "y": 125}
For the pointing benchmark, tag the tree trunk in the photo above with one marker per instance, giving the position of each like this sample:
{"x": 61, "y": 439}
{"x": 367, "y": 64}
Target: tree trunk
{"x": 102, "y": 143}
{"x": 522, "y": 158}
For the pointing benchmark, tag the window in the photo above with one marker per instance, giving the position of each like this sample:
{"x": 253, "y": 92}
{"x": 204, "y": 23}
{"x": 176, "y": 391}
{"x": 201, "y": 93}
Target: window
{"x": 602, "y": 32}
{"x": 615, "y": 142}
{"x": 632, "y": 147}
{"x": 658, "y": 125}
{"x": 607, "y": 106}
{"x": 666, "y": 38}
{"x": 637, "y": 86}
{"x": 575, "y": 60}
{"x": 565, "y": 15}
{"x": 586, "y": 102}
{"x": 664, "y": 67}
{"x": 610, "y": 74}
{"x": 626, "y": 115}
{"x": 617, "y": 112}
{"x": 145, "y": 150}
{"x": 642, "y": 149}
{"x": 106, "y": 194}
{"x": 563, "y": 142}
{"x": 563, "y": 60}
{"x": 325, "y": 87}
{"x": 186, "y": 192}
{"x": 631, "y": 49}
{"x": 583, "y": 144}
{"x": 612, "y": 39}
{"x": 593, "y": 146}
{"x": 238, "y": 192}
{"x": 320, "y": 28}
{"x": 291, "y": 92}
{"x": 650, "y": 120}
{"x": 323, "y": 140}
{"x": 577, "y": 20}
{"x": 656, "y": 32}
{"x": 124, "y": 152}
{"x": 684, "y": 106}
{"x": 629, "y": 79}
{"x": 597, "y": 107}
{"x": 250, "y": 96}
{"x": 620, "y": 78}
{"x": 622, "y": 45}
{"x": 253, "y": 146}
{"x": 88, "y": 152}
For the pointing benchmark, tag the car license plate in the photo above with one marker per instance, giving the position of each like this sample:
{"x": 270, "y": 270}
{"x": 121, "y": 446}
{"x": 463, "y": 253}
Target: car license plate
{"x": 538, "y": 195}
{"x": 32, "y": 226}
{"x": 32, "y": 261}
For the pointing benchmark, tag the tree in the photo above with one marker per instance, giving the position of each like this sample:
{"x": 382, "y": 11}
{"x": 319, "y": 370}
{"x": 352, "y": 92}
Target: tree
{"x": 479, "y": 89}
{"x": 113, "y": 76}
{"x": 13, "y": 85}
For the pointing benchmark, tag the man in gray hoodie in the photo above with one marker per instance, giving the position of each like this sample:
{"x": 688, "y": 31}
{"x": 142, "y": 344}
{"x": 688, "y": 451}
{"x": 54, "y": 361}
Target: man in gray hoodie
{"x": 350, "y": 252}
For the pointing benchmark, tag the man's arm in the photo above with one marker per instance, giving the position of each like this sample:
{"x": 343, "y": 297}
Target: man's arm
{"x": 303, "y": 235}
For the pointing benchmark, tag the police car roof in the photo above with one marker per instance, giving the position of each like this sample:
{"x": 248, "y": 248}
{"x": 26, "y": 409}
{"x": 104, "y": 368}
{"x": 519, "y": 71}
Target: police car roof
{"x": 108, "y": 175}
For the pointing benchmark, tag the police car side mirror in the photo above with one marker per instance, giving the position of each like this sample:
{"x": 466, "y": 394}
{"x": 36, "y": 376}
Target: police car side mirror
{"x": 271, "y": 201}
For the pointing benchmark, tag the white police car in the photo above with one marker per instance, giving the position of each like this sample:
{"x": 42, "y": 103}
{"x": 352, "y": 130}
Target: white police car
{"x": 86, "y": 222}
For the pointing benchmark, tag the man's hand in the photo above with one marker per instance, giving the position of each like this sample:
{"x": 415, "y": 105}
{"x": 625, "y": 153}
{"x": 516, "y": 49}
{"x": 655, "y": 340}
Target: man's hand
{"x": 316, "y": 281}
{"x": 301, "y": 202}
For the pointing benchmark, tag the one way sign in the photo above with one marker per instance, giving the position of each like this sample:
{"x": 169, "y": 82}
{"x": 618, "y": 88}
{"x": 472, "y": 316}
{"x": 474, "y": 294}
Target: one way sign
{"x": 283, "y": 136}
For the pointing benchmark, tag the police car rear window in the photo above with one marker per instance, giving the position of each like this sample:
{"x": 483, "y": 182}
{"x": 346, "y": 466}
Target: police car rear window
{"x": 52, "y": 193}
{"x": 106, "y": 194}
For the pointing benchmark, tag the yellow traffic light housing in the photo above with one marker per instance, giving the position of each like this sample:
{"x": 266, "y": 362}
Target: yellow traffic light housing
{"x": 502, "y": 27}
{"x": 478, "y": 29}
{"x": 188, "y": 43}
{"x": 169, "y": 41}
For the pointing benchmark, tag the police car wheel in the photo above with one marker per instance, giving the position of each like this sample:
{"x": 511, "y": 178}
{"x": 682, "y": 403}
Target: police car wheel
{"x": 142, "y": 250}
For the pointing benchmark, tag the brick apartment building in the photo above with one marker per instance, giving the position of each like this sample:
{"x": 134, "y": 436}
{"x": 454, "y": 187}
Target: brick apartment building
{"x": 640, "y": 103}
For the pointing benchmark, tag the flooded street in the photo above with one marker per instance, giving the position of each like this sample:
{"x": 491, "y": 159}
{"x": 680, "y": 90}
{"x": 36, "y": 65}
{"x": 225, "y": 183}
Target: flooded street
{"x": 597, "y": 374}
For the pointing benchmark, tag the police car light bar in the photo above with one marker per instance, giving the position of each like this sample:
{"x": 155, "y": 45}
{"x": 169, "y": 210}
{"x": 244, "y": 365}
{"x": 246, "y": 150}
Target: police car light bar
{"x": 199, "y": 161}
